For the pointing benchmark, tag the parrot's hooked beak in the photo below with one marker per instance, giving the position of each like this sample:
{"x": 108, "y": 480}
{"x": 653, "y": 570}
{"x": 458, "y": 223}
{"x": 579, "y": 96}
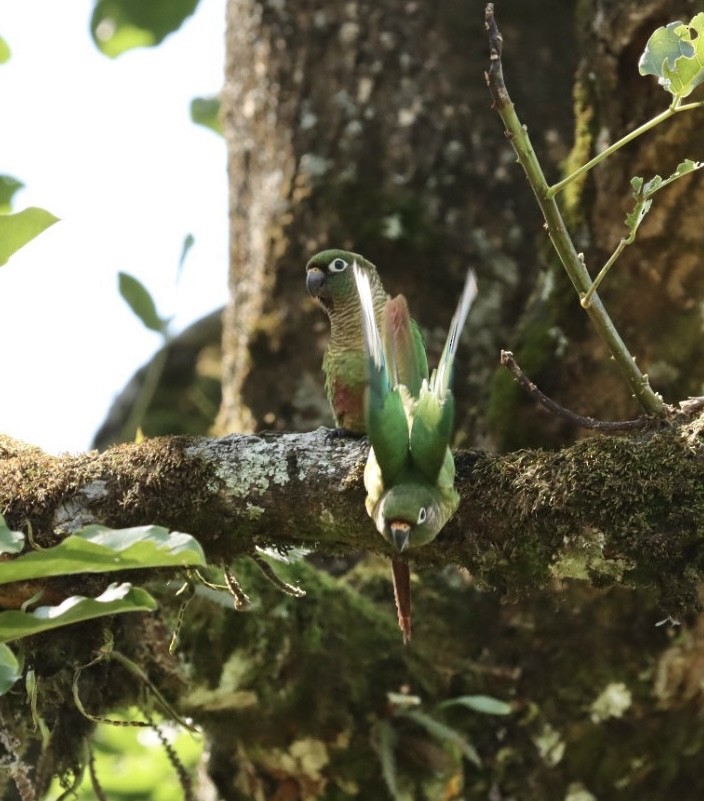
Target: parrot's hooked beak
{"x": 400, "y": 534}
{"x": 315, "y": 281}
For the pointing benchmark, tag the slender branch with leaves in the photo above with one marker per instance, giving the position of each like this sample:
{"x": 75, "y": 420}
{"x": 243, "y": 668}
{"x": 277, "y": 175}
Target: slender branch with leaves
{"x": 675, "y": 54}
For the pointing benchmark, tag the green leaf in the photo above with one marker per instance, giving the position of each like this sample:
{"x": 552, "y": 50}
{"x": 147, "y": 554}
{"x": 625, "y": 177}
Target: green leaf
{"x": 18, "y": 229}
{"x": 10, "y": 541}
{"x": 675, "y": 55}
{"x": 386, "y": 743}
{"x": 206, "y": 111}
{"x": 635, "y": 217}
{"x": 644, "y": 191}
{"x": 479, "y": 703}
{"x": 4, "y": 51}
{"x": 141, "y": 302}
{"x": 97, "y": 549}
{"x": 120, "y": 25}
{"x": 8, "y": 187}
{"x": 445, "y": 734}
{"x": 116, "y": 599}
{"x": 10, "y": 669}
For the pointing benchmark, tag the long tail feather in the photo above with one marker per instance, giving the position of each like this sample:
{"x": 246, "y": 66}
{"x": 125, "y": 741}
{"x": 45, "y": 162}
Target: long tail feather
{"x": 443, "y": 376}
{"x": 402, "y": 593}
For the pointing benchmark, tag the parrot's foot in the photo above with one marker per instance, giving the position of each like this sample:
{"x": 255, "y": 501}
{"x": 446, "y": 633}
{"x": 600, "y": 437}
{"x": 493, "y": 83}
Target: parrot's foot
{"x": 342, "y": 433}
{"x": 242, "y": 602}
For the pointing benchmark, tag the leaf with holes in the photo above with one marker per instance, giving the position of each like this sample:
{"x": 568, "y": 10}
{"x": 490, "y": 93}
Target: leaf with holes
{"x": 675, "y": 55}
{"x": 643, "y": 192}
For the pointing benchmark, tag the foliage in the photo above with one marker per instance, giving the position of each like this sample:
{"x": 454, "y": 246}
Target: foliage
{"x": 142, "y": 304}
{"x": 404, "y": 707}
{"x": 205, "y": 111}
{"x": 138, "y": 298}
{"x": 675, "y": 47}
{"x": 10, "y": 668}
{"x": 10, "y": 541}
{"x": 643, "y": 192}
{"x": 131, "y": 762}
{"x": 8, "y": 187}
{"x": 99, "y": 549}
{"x": 675, "y": 55}
{"x": 4, "y": 51}
{"x": 16, "y": 230}
{"x": 94, "y": 549}
{"x": 120, "y": 25}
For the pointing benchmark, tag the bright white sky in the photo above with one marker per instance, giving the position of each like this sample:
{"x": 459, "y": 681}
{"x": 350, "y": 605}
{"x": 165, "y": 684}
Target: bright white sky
{"x": 107, "y": 146}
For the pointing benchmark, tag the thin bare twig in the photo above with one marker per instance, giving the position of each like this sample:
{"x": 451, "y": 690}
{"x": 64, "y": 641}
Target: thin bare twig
{"x": 183, "y": 778}
{"x": 94, "y": 779}
{"x": 277, "y": 581}
{"x": 508, "y": 360}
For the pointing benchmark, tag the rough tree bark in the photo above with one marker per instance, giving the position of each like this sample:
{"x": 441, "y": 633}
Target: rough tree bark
{"x": 367, "y": 125}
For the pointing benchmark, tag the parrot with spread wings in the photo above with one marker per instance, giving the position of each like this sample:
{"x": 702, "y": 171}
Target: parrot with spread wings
{"x": 377, "y": 381}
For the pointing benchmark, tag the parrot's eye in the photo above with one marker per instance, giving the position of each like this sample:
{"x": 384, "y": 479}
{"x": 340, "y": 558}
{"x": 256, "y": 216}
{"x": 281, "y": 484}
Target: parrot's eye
{"x": 422, "y": 515}
{"x": 337, "y": 265}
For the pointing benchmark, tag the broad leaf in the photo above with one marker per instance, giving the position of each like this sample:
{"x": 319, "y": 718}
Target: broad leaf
{"x": 206, "y": 111}
{"x": 8, "y": 187}
{"x": 116, "y": 599}
{"x": 141, "y": 302}
{"x": 675, "y": 55}
{"x": 120, "y": 25}
{"x": 10, "y": 541}
{"x": 18, "y": 229}
{"x": 97, "y": 549}
{"x": 10, "y": 669}
{"x": 479, "y": 703}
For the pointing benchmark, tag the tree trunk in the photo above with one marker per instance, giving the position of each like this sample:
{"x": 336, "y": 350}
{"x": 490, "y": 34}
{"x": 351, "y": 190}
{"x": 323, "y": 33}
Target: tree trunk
{"x": 368, "y": 126}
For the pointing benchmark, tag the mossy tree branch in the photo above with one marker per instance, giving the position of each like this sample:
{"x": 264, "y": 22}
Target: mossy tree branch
{"x": 609, "y": 510}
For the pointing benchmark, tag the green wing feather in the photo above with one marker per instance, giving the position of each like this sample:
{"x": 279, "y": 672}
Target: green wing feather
{"x": 387, "y": 426}
{"x": 433, "y": 417}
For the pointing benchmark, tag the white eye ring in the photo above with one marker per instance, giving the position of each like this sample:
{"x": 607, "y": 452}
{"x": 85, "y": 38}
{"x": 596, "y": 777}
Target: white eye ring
{"x": 337, "y": 265}
{"x": 422, "y": 515}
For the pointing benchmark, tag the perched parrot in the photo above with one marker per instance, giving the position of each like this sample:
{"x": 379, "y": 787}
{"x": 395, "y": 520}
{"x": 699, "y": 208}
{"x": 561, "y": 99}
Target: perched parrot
{"x": 410, "y": 472}
{"x": 329, "y": 280}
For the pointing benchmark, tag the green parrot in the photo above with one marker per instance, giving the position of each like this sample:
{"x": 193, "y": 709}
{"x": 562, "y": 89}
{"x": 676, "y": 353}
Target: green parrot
{"x": 329, "y": 280}
{"x": 410, "y": 472}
